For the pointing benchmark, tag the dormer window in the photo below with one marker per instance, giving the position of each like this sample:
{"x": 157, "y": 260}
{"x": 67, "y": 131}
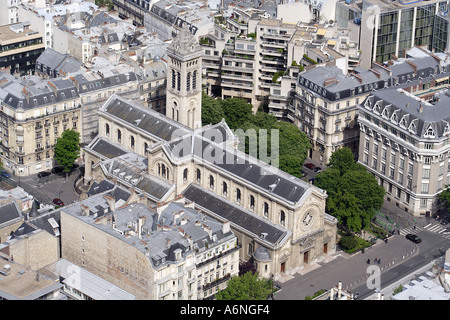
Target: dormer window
{"x": 430, "y": 132}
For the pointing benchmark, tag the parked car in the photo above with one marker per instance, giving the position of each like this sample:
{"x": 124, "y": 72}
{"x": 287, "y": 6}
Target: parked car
{"x": 445, "y": 220}
{"x": 310, "y": 166}
{"x": 43, "y": 174}
{"x": 413, "y": 237}
{"x": 5, "y": 173}
{"x": 58, "y": 202}
{"x": 317, "y": 169}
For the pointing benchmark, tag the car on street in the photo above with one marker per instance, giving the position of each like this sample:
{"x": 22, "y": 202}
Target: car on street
{"x": 310, "y": 166}
{"x": 413, "y": 237}
{"x": 317, "y": 169}
{"x": 58, "y": 202}
{"x": 43, "y": 174}
{"x": 445, "y": 221}
{"x": 5, "y": 173}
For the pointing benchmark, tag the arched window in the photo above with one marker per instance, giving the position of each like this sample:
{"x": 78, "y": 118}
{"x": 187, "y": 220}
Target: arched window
{"x": 282, "y": 218}
{"x": 185, "y": 174}
{"x": 252, "y": 202}
{"x": 188, "y": 81}
{"x": 211, "y": 181}
{"x": 238, "y": 195}
{"x": 107, "y": 129}
{"x": 119, "y": 135}
{"x": 224, "y": 188}
{"x": 132, "y": 142}
{"x": 145, "y": 147}
{"x": 199, "y": 175}
{"x": 266, "y": 209}
{"x": 178, "y": 81}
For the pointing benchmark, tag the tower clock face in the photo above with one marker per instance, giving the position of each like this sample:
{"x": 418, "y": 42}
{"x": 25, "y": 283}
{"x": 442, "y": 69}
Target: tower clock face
{"x": 308, "y": 219}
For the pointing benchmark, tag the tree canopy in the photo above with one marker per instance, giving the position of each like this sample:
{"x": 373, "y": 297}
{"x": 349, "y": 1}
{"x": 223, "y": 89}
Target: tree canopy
{"x": 246, "y": 287}
{"x": 353, "y": 193}
{"x": 212, "y": 112}
{"x": 67, "y": 149}
{"x": 293, "y": 144}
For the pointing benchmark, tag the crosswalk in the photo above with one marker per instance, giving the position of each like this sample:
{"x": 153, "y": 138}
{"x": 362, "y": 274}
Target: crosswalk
{"x": 431, "y": 227}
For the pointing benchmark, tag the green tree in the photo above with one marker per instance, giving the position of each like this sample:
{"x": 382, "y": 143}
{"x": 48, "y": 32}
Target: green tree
{"x": 237, "y": 111}
{"x": 67, "y": 149}
{"x": 246, "y": 287}
{"x": 444, "y": 196}
{"x": 353, "y": 193}
{"x": 212, "y": 112}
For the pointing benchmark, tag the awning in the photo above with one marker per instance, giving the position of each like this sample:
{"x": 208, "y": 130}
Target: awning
{"x": 331, "y": 42}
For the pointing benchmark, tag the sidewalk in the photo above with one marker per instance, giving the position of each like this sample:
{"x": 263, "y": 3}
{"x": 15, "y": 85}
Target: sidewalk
{"x": 352, "y": 270}
{"x": 403, "y": 218}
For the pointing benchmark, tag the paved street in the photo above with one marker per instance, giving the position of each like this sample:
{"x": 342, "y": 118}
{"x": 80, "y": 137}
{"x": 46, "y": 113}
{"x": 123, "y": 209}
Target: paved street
{"x": 47, "y": 188}
{"x": 351, "y": 270}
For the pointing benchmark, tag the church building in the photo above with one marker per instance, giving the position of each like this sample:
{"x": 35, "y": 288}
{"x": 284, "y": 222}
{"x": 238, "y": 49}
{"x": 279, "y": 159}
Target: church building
{"x": 279, "y": 220}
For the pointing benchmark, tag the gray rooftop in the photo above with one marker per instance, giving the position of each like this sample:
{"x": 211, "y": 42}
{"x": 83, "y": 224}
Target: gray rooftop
{"x": 162, "y": 232}
{"x": 206, "y": 200}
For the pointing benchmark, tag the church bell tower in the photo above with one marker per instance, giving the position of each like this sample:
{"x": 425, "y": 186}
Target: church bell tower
{"x": 184, "y": 79}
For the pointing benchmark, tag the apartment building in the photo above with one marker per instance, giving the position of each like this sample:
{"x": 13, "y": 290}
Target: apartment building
{"x": 46, "y": 19}
{"x": 247, "y": 55}
{"x": 34, "y": 113}
{"x": 388, "y": 28}
{"x": 95, "y": 86}
{"x": 168, "y": 251}
{"x": 20, "y": 46}
{"x": 133, "y": 10}
{"x": 404, "y": 140}
{"x": 325, "y": 102}
{"x": 167, "y": 17}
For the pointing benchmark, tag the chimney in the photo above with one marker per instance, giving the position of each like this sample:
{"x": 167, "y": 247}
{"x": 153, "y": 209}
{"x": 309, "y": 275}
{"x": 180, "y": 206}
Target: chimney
{"x": 208, "y": 230}
{"x": 111, "y": 202}
{"x": 339, "y": 293}
{"x": 357, "y": 76}
{"x": 68, "y": 19}
{"x": 328, "y": 82}
{"x": 84, "y": 210}
{"x": 141, "y": 221}
{"x": 226, "y": 227}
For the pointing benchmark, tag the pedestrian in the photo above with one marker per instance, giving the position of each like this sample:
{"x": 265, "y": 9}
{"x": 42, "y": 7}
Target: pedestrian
{"x": 379, "y": 261}
{"x": 375, "y": 260}
{"x": 368, "y": 261}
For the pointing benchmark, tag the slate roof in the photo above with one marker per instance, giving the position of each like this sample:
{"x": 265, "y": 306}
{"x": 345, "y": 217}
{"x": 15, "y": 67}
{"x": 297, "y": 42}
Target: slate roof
{"x": 411, "y": 108}
{"x": 30, "y": 92}
{"x": 237, "y": 215}
{"x": 98, "y": 81}
{"x": 152, "y": 122}
{"x": 242, "y": 166}
{"x": 106, "y": 147}
{"x": 131, "y": 169}
{"x": 56, "y": 61}
{"x": 10, "y": 213}
{"x": 162, "y": 232}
